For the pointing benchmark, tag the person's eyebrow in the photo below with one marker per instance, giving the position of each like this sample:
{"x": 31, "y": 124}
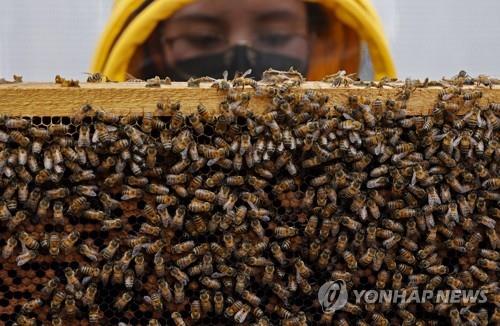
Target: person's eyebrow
{"x": 199, "y": 18}
{"x": 277, "y": 15}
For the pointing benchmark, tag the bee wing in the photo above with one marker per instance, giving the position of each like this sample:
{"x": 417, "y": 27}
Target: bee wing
{"x": 457, "y": 141}
{"x": 441, "y": 137}
{"x": 95, "y": 136}
{"x": 246, "y": 73}
{"x": 24, "y": 249}
{"x": 347, "y": 116}
{"x": 241, "y": 315}
{"x": 86, "y": 280}
{"x": 218, "y": 275}
{"x": 480, "y": 121}
{"x": 137, "y": 249}
{"x": 70, "y": 288}
{"x": 148, "y": 299}
{"x": 225, "y": 74}
{"x": 414, "y": 178}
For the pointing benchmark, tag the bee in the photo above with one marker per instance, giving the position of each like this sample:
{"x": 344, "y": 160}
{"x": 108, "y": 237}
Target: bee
{"x": 72, "y": 281}
{"x": 392, "y": 241}
{"x": 108, "y": 202}
{"x": 179, "y": 293}
{"x": 241, "y": 315}
{"x": 280, "y": 291}
{"x": 285, "y": 231}
{"x": 367, "y": 257}
{"x": 53, "y": 243}
{"x": 129, "y": 276}
{"x": 179, "y": 275}
{"x": 155, "y": 301}
{"x": 181, "y": 143}
{"x": 159, "y": 265}
{"x": 149, "y": 229}
{"x": 185, "y": 261}
{"x": 166, "y": 200}
{"x": 210, "y": 283}
{"x": 278, "y": 253}
{"x": 5, "y": 214}
{"x": 164, "y": 290}
{"x": 471, "y": 96}
{"x": 139, "y": 265}
{"x": 478, "y": 273}
{"x": 109, "y": 251}
{"x": 488, "y": 264}
{"x": 490, "y": 254}
{"x": 58, "y": 130}
{"x": 89, "y": 270}
{"x": 350, "y": 223}
{"x": 437, "y": 269}
{"x": 31, "y": 305}
{"x": 111, "y": 224}
{"x": 77, "y": 205}
{"x": 195, "y": 310}
{"x": 324, "y": 258}
{"x": 57, "y": 300}
{"x": 22, "y": 320}
{"x": 341, "y": 244}
{"x": 183, "y": 247}
{"x": 15, "y": 221}
{"x": 268, "y": 275}
{"x": 50, "y": 286}
{"x": 206, "y": 304}
{"x": 177, "y": 318}
{"x": 473, "y": 241}
{"x": 122, "y": 301}
{"x": 257, "y": 228}
{"x": 27, "y": 240}
{"x": 378, "y": 260}
{"x": 95, "y": 314}
{"x": 154, "y": 188}
{"x": 135, "y": 136}
{"x": 166, "y": 140}
{"x": 196, "y": 123}
{"x": 17, "y": 123}
{"x": 89, "y": 296}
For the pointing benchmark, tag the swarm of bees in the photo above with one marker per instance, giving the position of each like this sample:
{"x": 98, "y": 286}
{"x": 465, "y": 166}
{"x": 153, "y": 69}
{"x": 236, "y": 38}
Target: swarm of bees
{"x": 240, "y": 218}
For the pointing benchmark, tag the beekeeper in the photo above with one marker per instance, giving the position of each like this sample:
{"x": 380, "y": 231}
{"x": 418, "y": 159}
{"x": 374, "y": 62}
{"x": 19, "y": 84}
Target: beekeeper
{"x": 186, "y": 38}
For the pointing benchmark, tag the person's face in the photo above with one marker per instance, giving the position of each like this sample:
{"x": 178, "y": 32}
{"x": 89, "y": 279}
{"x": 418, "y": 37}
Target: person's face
{"x": 212, "y": 26}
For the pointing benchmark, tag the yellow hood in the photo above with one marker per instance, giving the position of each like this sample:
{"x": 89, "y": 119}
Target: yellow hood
{"x": 133, "y": 21}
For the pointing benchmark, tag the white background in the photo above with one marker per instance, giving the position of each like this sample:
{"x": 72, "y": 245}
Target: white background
{"x": 41, "y": 38}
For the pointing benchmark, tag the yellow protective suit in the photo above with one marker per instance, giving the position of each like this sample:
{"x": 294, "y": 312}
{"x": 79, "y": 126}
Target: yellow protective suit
{"x": 353, "y": 22}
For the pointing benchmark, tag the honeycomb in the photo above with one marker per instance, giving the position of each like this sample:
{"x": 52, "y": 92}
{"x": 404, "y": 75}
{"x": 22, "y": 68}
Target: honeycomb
{"x": 239, "y": 219}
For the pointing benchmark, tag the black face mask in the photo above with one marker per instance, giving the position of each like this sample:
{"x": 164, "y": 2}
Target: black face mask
{"x": 237, "y": 59}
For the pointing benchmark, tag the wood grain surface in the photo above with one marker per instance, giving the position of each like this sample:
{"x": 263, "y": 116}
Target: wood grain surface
{"x": 47, "y": 99}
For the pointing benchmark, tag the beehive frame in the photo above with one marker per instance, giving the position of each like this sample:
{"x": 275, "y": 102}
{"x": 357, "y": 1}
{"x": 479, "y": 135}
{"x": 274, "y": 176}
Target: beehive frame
{"x": 32, "y": 99}
{"x": 55, "y": 103}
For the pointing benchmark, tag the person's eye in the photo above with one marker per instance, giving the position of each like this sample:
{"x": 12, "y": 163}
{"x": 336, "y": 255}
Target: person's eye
{"x": 204, "y": 41}
{"x": 275, "y": 39}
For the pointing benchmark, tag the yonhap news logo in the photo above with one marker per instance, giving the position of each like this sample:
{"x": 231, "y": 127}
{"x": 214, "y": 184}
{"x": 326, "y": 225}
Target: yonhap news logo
{"x": 333, "y": 296}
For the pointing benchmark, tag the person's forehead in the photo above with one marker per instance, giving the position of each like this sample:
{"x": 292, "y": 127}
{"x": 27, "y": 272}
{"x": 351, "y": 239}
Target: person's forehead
{"x": 219, "y": 8}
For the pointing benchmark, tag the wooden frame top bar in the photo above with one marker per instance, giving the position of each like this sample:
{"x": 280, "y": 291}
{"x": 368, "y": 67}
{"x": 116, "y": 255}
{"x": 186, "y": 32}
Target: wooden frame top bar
{"x": 48, "y": 99}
